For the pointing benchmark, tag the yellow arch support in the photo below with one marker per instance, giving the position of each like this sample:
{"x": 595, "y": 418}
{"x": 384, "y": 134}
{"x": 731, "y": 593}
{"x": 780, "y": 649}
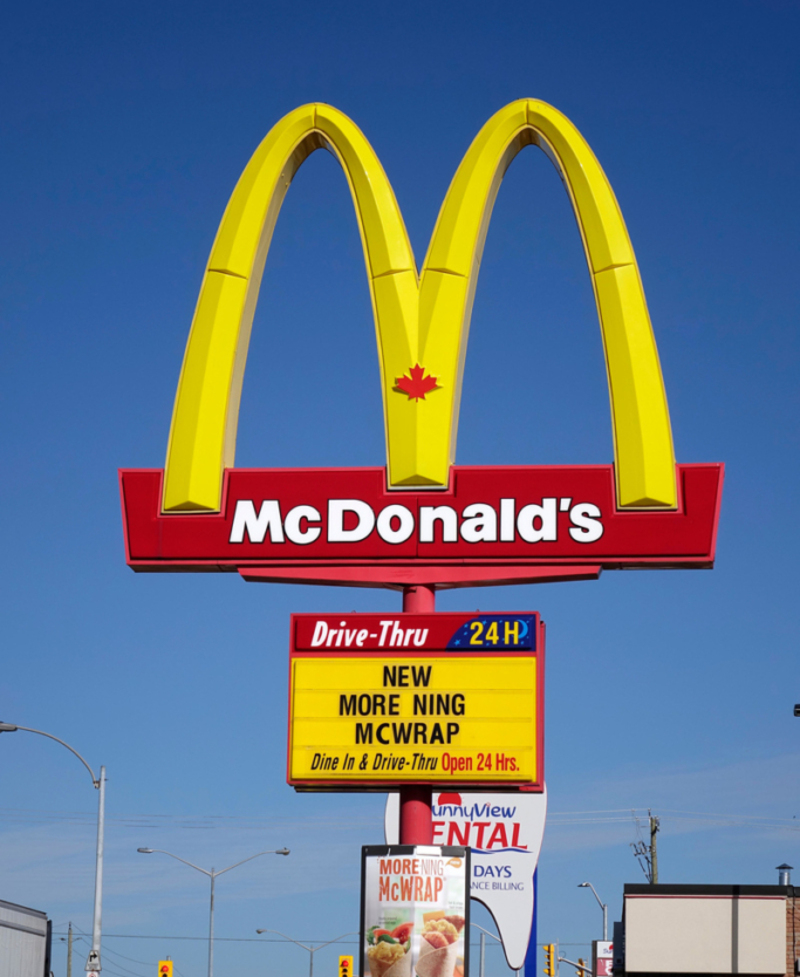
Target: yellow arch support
{"x": 418, "y": 321}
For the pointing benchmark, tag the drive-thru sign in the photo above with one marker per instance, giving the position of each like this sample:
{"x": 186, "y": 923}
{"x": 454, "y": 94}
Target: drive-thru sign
{"x": 383, "y": 699}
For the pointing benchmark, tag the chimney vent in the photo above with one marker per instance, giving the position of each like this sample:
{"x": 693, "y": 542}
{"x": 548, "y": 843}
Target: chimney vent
{"x": 784, "y": 874}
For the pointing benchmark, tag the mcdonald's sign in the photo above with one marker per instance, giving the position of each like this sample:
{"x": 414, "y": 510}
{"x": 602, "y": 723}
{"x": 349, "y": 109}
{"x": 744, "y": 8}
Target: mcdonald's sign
{"x": 421, "y": 519}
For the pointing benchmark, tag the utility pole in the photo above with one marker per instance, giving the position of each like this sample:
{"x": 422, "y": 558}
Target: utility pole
{"x": 655, "y": 824}
{"x": 69, "y": 951}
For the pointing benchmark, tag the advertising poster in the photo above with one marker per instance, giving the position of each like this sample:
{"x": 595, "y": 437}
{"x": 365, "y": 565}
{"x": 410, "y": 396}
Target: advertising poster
{"x": 414, "y": 911}
{"x": 504, "y": 833}
{"x": 602, "y": 958}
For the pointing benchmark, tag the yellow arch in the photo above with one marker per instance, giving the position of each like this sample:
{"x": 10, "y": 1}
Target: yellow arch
{"x": 424, "y": 320}
{"x": 645, "y": 462}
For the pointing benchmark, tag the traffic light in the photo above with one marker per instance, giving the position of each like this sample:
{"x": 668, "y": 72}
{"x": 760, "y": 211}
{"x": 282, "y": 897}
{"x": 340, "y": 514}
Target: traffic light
{"x": 345, "y": 967}
{"x": 550, "y": 959}
{"x": 164, "y": 968}
{"x": 582, "y": 968}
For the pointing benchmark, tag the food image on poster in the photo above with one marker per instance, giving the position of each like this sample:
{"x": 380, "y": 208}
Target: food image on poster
{"x": 414, "y": 911}
{"x": 440, "y": 944}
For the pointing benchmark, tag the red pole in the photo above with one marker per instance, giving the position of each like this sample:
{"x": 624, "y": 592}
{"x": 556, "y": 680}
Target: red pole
{"x": 416, "y": 819}
{"x": 419, "y": 600}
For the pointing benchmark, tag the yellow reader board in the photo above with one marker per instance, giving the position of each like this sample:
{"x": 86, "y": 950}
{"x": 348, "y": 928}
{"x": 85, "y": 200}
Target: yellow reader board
{"x": 415, "y": 717}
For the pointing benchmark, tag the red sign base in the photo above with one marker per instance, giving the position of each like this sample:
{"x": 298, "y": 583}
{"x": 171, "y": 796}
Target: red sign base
{"x": 400, "y": 577}
{"x": 491, "y": 526}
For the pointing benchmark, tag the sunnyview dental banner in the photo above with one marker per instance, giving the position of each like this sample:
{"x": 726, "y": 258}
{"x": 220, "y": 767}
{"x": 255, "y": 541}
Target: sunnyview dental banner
{"x": 414, "y": 911}
{"x": 504, "y": 832}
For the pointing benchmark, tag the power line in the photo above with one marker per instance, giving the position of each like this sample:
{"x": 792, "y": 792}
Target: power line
{"x": 204, "y": 939}
{"x": 237, "y": 939}
{"x": 556, "y": 819}
{"x": 145, "y": 963}
{"x": 127, "y": 971}
{"x": 239, "y": 821}
{"x": 193, "y": 822}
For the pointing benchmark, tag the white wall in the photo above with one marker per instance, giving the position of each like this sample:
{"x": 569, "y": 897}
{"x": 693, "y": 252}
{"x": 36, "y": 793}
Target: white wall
{"x": 705, "y": 934}
{"x": 23, "y": 940}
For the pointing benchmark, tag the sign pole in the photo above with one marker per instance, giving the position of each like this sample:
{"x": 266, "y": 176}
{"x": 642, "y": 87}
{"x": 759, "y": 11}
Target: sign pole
{"x": 416, "y": 817}
{"x": 530, "y": 967}
{"x": 419, "y": 600}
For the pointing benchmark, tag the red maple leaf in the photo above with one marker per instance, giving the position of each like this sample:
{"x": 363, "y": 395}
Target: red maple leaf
{"x": 417, "y": 385}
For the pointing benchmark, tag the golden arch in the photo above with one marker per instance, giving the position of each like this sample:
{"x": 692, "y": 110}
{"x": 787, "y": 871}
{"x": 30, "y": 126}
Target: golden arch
{"x": 418, "y": 319}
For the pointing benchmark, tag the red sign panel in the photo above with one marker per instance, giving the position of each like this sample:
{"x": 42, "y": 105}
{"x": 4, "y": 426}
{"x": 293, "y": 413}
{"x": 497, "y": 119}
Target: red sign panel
{"x": 343, "y": 524}
{"x": 419, "y": 632}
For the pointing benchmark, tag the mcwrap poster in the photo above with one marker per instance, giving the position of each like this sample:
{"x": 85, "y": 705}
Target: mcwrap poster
{"x": 414, "y": 911}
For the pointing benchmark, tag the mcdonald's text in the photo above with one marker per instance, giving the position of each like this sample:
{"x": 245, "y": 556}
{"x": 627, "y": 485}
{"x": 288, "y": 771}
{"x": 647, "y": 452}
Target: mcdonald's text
{"x": 502, "y": 515}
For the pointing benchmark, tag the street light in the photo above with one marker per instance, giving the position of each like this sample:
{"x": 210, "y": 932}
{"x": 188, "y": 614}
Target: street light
{"x": 603, "y": 906}
{"x": 311, "y": 949}
{"x": 212, "y": 875}
{"x": 93, "y": 960}
{"x": 484, "y": 934}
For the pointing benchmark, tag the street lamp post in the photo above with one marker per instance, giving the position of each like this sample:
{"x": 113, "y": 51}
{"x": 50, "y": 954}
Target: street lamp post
{"x": 603, "y": 906}
{"x": 212, "y": 874}
{"x": 311, "y": 949}
{"x": 484, "y": 934}
{"x": 93, "y": 961}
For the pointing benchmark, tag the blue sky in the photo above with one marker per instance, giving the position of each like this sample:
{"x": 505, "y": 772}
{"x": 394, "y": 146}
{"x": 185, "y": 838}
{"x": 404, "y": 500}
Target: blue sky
{"x": 124, "y": 129}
